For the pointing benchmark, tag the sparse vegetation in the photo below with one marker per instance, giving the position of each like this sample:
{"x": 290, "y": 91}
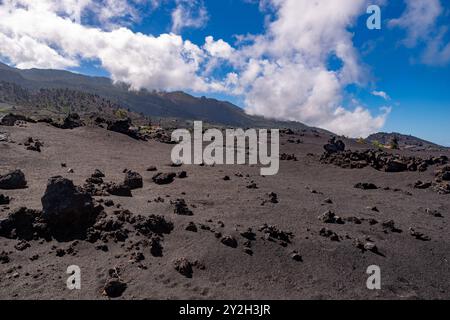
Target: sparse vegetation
{"x": 378, "y": 144}
{"x": 121, "y": 113}
{"x": 393, "y": 144}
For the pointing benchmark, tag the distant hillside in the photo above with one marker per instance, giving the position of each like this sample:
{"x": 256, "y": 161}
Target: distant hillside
{"x": 404, "y": 141}
{"x": 57, "y": 103}
{"x": 154, "y": 104}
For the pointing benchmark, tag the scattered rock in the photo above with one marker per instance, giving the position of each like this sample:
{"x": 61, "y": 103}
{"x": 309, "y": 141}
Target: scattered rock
{"x": 419, "y": 235}
{"x": 272, "y": 232}
{"x": 252, "y": 185}
{"x": 13, "y": 180}
{"x": 249, "y": 234}
{"x": 366, "y": 186}
{"x": 156, "y": 248}
{"x": 133, "y": 180}
{"x": 389, "y": 225}
{"x": 442, "y": 188}
{"x": 4, "y": 199}
{"x": 182, "y": 175}
{"x": 370, "y": 246}
{"x": 191, "y": 227}
{"x": 354, "y": 220}
{"x": 60, "y": 252}
{"x": 4, "y": 137}
{"x": 273, "y": 197}
{"x": 114, "y": 288}
{"x": 98, "y": 174}
{"x": 109, "y": 227}
{"x": 229, "y": 241}
{"x": 366, "y": 246}
{"x": 296, "y": 257}
{"x": 226, "y": 178}
{"x": 422, "y": 185}
{"x": 288, "y": 157}
{"x": 102, "y": 247}
{"x": 94, "y": 180}
{"x": 22, "y": 245}
{"x": 152, "y": 169}
{"x": 184, "y": 267}
{"x": 4, "y": 258}
{"x": 33, "y": 145}
{"x": 109, "y": 203}
{"x": 176, "y": 164}
{"x": 327, "y": 233}
{"x": 181, "y": 208}
{"x": 119, "y": 190}
{"x": 434, "y": 213}
{"x": 153, "y": 224}
{"x": 164, "y": 178}
{"x": 330, "y": 217}
{"x": 137, "y": 257}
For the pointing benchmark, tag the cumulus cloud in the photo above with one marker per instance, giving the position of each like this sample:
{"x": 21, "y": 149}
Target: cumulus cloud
{"x": 281, "y": 73}
{"x": 166, "y": 62}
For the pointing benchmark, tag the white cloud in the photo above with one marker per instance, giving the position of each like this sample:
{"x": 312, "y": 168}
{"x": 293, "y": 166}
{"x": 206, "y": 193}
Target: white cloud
{"x": 420, "y": 20}
{"x": 381, "y": 94}
{"x": 219, "y": 48}
{"x": 166, "y": 62}
{"x": 283, "y": 74}
{"x": 189, "y": 14}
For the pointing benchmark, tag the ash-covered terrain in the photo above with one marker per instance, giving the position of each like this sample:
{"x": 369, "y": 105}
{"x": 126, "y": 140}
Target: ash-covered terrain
{"x": 104, "y": 196}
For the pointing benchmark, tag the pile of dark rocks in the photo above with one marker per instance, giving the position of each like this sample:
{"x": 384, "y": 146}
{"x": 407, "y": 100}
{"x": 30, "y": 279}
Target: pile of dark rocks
{"x": 125, "y": 126}
{"x": 33, "y": 144}
{"x": 72, "y": 121}
{"x": 380, "y": 160}
{"x": 10, "y": 119}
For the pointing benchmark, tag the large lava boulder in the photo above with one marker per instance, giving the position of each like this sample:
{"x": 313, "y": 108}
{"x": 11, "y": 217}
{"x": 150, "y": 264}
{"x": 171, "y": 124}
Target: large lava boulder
{"x": 125, "y": 126}
{"x": 133, "y": 180}
{"x": 13, "y": 180}
{"x": 72, "y": 121}
{"x": 334, "y": 146}
{"x": 395, "y": 165}
{"x": 67, "y": 209}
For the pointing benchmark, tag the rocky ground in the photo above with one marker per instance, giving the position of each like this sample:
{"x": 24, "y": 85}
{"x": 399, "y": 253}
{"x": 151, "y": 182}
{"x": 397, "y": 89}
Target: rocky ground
{"x": 140, "y": 227}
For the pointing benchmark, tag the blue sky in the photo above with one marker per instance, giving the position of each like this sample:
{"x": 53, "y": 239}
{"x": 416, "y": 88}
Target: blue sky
{"x": 393, "y": 79}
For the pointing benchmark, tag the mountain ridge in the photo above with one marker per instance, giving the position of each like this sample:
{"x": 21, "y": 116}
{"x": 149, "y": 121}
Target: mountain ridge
{"x": 176, "y": 104}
